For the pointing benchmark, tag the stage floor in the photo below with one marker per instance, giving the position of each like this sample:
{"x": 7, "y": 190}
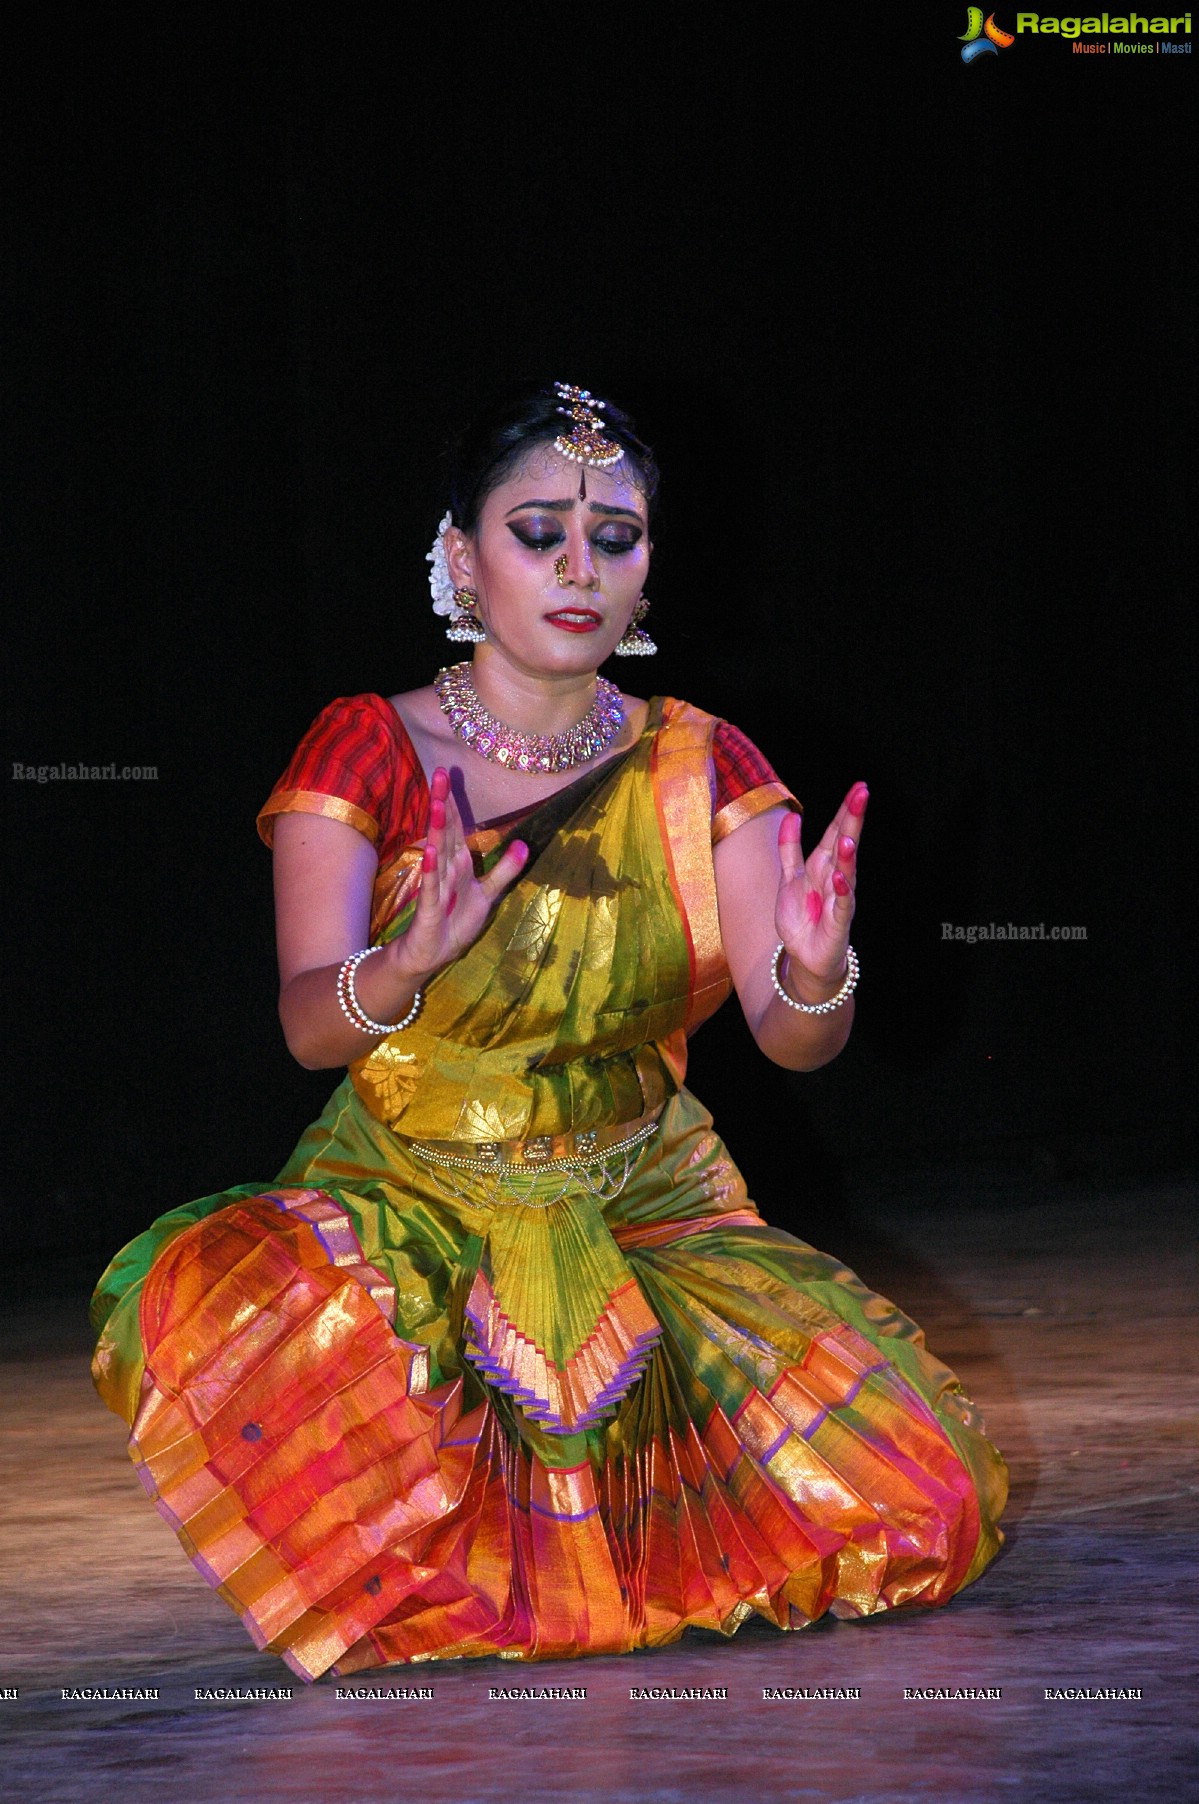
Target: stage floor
{"x": 1069, "y": 1315}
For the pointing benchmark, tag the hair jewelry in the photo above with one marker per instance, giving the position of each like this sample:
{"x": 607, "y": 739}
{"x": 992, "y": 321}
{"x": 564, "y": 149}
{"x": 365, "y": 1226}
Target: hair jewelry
{"x": 441, "y": 583}
{"x": 585, "y": 442}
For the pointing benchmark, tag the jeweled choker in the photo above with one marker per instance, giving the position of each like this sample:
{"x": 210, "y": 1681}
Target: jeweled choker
{"x": 539, "y": 753}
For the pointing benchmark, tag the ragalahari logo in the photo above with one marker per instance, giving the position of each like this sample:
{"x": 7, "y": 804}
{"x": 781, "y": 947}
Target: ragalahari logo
{"x": 982, "y": 39}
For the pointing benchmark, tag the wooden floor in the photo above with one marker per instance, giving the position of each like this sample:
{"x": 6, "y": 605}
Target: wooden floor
{"x": 1070, "y": 1316}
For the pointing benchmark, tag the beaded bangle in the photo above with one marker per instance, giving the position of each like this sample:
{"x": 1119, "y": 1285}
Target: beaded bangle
{"x": 818, "y": 1008}
{"x": 353, "y": 1010}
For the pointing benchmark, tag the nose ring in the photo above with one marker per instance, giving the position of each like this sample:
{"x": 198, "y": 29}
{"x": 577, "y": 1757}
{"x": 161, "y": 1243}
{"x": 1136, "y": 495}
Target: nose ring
{"x": 560, "y": 564}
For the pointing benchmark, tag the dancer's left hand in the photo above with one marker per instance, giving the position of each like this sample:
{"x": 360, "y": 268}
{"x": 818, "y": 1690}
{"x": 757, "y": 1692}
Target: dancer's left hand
{"x": 815, "y": 901}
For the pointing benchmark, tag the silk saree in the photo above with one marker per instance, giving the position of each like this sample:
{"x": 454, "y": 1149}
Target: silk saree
{"x": 505, "y": 1361}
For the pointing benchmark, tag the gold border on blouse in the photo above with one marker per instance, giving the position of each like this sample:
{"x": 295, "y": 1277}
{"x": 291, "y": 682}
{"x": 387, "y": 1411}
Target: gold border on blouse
{"x": 745, "y": 807}
{"x": 311, "y": 801}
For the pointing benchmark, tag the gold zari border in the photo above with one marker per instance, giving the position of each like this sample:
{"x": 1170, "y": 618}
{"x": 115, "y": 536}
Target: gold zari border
{"x": 311, "y": 801}
{"x": 745, "y": 807}
{"x": 683, "y": 798}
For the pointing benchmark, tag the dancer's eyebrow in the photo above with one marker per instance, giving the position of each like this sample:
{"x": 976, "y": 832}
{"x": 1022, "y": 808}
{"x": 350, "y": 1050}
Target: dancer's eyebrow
{"x": 564, "y": 507}
{"x": 603, "y": 507}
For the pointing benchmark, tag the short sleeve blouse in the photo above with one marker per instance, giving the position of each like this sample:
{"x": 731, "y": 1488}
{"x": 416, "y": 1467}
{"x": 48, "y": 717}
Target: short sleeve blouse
{"x": 357, "y": 764}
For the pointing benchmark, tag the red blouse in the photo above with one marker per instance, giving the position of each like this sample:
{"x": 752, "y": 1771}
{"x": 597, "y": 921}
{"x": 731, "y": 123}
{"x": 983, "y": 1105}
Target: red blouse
{"x": 357, "y": 764}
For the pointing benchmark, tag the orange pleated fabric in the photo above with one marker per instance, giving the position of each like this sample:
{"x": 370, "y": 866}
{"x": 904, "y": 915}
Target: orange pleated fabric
{"x": 354, "y": 1516}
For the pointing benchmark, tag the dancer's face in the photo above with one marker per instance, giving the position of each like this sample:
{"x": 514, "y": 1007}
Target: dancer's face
{"x": 558, "y": 562}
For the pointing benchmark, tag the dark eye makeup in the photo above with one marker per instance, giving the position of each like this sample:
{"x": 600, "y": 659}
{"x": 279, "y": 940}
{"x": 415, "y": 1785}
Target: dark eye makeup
{"x": 535, "y": 537}
{"x": 612, "y": 537}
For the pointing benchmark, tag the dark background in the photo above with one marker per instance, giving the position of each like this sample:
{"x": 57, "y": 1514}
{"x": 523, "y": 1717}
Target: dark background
{"x": 912, "y": 340}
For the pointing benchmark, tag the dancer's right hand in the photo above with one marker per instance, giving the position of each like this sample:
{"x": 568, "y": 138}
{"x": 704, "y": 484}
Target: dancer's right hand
{"x": 453, "y": 904}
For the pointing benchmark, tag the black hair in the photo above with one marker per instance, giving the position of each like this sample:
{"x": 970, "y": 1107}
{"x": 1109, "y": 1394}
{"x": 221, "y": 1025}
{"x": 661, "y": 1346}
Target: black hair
{"x": 487, "y": 451}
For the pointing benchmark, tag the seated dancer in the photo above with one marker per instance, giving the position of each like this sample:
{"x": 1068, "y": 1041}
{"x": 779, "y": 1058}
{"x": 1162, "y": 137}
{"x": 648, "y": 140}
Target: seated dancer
{"x": 505, "y": 1361}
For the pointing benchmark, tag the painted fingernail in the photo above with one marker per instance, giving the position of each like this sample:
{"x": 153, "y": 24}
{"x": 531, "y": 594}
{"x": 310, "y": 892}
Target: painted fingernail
{"x": 859, "y": 795}
{"x": 840, "y": 883}
{"x": 429, "y": 860}
{"x": 846, "y": 846}
{"x": 814, "y": 906}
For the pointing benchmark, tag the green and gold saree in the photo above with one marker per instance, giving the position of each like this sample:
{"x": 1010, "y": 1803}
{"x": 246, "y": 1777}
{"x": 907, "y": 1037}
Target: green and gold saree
{"x": 505, "y": 1361}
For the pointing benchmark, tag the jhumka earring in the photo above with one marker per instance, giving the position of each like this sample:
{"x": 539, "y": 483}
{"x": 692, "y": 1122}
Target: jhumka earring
{"x": 636, "y": 644}
{"x": 465, "y": 628}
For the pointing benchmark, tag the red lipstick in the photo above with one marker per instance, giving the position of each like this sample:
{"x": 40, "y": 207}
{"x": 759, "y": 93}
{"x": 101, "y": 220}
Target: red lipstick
{"x": 576, "y": 620}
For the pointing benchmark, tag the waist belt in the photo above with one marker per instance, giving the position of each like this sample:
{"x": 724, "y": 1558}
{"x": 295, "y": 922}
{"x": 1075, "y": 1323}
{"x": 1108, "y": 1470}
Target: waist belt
{"x": 596, "y": 1160}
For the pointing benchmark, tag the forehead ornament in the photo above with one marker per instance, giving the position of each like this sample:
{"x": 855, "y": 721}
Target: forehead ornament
{"x": 585, "y": 442}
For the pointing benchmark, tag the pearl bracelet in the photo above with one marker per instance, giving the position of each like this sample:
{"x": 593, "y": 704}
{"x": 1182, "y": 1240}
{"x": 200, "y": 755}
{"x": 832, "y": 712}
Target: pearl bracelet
{"x": 817, "y": 1008}
{"x": 353, "y": 1010}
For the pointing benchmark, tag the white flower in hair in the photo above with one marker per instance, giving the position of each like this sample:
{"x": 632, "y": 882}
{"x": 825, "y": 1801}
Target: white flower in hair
{"x": 441, "y": 583}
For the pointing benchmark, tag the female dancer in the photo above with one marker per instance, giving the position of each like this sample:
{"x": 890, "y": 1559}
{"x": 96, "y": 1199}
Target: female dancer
{"x": 505, "y": 1361}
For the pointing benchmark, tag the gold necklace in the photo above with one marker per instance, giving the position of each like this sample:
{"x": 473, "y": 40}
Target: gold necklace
{"x": 539, "y": 753}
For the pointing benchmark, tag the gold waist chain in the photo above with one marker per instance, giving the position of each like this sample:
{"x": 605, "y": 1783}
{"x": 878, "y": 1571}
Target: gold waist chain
{"x": 601, "y": 1171}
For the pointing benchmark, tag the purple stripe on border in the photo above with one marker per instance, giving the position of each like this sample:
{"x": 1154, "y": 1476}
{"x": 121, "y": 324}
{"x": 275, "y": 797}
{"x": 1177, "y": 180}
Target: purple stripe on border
{"x": 849, "y": 1397}
{"x": 327, "y": 1212}
{"x": 539, "y": 1409}
{"x": 807, "y": 1433}
{"x": 559, "y": 1516}
{"x": 765, "y": 1458}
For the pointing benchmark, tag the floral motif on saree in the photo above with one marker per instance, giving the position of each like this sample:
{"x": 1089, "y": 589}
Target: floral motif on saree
{"x": 569, "y": 1013}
